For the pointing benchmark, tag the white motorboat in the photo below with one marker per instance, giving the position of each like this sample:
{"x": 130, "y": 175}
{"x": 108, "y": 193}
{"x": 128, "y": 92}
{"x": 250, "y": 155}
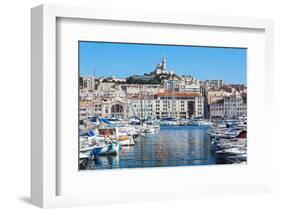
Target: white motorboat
{"x": 86, "y": 149}
{"x": 204, "y": 123}
{"x": 169, "y": 122}
{"x": 232, "y": 151}
{"x": 88, "y": 143}
{"x": 126, "y": 140}
{"x": 117, "y": 133}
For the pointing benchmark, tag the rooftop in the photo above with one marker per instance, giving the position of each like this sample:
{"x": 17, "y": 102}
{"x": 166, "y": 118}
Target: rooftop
{"x": 178, "y": 94}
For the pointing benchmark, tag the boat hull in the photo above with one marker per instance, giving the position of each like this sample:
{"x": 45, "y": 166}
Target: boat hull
{"x": 110, "y": 149}
{"x": 127, "y": 142}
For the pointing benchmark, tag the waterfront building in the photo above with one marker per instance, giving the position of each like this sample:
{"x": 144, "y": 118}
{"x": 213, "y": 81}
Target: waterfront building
{"x": 217, "y": 109}
{"x": 111, "y": 107}
{"x": 163, "y": 95}
{"x": 235, "y": 106}
{"x": 162, "y": 105}
{"x": 142, "y": 108}
{"x": 85, "y": 111}
{"x": 229, "y": 107}
{"x": 179, "y": 105}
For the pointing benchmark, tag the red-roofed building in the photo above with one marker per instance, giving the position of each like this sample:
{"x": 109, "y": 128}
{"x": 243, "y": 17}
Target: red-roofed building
{"x": 179, "y": 105}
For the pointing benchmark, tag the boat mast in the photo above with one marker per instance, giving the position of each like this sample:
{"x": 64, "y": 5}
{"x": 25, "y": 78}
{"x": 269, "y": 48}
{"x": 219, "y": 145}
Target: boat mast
{"x": 173, "y": 96}
{"x": 141, "y": 103}
{"x": 127, "y": 104}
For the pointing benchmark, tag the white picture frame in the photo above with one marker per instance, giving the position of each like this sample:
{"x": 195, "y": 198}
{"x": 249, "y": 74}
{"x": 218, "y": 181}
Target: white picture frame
{"x": 44, "y": 154}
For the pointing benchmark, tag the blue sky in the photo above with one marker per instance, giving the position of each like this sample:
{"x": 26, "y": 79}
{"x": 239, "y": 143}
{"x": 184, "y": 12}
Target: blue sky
{"x": 122, "y": 60}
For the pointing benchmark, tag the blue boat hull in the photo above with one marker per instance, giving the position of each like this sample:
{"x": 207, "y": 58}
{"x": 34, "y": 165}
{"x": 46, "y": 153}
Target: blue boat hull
{"x": 110, "y": 149}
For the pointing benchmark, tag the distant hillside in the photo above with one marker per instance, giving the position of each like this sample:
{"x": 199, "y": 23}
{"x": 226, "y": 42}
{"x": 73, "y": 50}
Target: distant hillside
{"x": 147, "y": 79}
{"x": 159, "y": 74}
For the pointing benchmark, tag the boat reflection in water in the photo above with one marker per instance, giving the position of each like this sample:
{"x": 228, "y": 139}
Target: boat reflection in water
{"x": 171, "y": 146}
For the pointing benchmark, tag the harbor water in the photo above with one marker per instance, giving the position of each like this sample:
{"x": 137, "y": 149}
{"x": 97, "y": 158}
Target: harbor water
{"x": 170, "y": 146}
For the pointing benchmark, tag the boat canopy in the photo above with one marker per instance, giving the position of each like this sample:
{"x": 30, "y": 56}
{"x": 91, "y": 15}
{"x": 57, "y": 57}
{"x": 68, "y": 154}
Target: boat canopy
{"x": 169, "y": 119}
{"x": 113, "y": 119}
{"x": 134, "y": 121}
{"x": 94, "y": 119}
{"x": 90, "y": 133}
{"x": 104, "y": 120}
{"x": 242, "y": 134}
{"x": 230, "y": 125}
{"x": 111, "y": 126}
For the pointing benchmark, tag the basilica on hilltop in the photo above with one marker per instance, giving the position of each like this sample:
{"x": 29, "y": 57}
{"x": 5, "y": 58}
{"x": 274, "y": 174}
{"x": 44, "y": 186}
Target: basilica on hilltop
{"x": 161, "y": 68}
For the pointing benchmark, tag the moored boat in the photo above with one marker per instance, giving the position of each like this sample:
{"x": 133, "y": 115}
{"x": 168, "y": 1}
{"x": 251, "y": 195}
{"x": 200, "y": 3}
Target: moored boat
{"x": 169, "y": 122}
{"x": 105, "y": 149}
{"x": 118, "y": 133}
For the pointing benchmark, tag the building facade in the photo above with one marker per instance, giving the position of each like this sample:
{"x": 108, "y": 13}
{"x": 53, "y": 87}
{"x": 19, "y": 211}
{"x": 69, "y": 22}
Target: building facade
{"x": 87, "y": 82}
{"x": 142, "y": 108}
{"x": 172, "y": 96}
{"x": 232, "y": 106}
{"x": 217, "y": 109}
{"x": 235, "y": 106}
{"x": 179, "y": 105}
{"x": 213, "y": 83}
